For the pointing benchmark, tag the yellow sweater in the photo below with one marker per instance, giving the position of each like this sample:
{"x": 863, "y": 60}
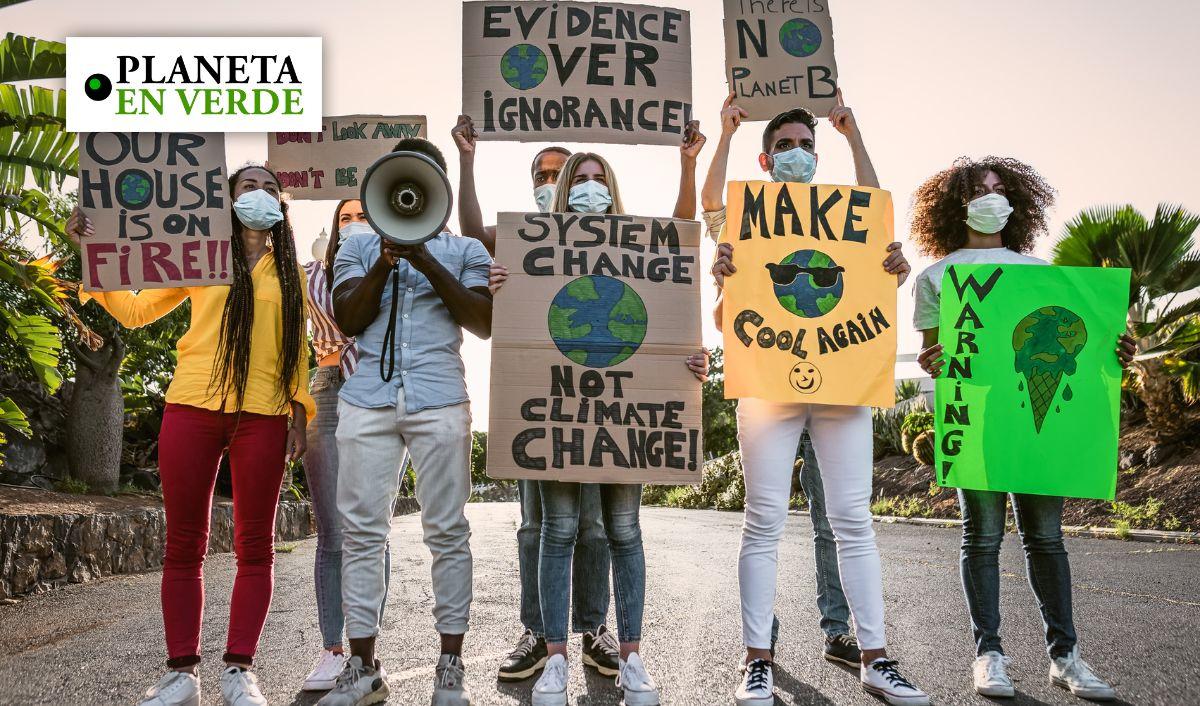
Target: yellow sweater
{"x": 196, "y": 351}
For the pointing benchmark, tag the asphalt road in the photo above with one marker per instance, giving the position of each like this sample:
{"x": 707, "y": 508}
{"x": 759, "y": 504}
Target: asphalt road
{"x": 1137, "y": 608}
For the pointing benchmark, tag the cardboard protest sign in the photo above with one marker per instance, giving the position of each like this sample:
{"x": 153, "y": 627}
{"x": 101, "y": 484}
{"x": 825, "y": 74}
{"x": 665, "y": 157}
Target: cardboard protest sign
{"x": 159, "y": 203}
{"x": 577, "y": 71}
{"x": 809, "y": 315}
{"x": 779, "y": 56}
{"x": 589, "y": 340}
{"x": 330, "y": 164}
{"x": 1029, "y": 397}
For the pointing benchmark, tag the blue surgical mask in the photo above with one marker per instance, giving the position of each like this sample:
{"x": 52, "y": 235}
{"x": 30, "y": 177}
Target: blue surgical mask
{"x": 354, "y": 228}
{"x": 988, "y": 214}
{"x": 258, "y": 210}
{"x": 794, "y": 165}
{"x": 544, "y": 196}
{"x": 589, "y": 197}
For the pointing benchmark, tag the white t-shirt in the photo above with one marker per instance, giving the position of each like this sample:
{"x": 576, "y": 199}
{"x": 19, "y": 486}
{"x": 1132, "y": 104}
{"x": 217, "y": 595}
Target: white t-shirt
{"x": 927, "y": 290}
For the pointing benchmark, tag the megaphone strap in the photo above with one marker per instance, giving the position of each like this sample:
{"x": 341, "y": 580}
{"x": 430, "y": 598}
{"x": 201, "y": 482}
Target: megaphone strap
{"x": 389, "y": 337}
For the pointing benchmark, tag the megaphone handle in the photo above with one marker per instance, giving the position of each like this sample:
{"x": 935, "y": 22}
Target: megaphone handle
{"x": 389, "y": 337}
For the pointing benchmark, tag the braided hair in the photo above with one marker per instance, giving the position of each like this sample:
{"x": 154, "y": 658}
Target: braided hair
{"x": 237, "y": 320}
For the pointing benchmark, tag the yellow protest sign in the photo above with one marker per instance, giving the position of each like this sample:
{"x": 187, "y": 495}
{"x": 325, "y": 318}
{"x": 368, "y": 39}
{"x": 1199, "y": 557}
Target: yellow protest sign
{"x": 810, "y": 314}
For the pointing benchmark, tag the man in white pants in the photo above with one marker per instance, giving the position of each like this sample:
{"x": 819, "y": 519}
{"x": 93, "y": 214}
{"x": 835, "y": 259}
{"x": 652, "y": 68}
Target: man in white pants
{"x": 406, "y": 305}
{"x": 768, "y": 433}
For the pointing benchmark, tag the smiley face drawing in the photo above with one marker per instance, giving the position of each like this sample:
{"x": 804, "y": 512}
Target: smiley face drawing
{"x": 804, "y": 377}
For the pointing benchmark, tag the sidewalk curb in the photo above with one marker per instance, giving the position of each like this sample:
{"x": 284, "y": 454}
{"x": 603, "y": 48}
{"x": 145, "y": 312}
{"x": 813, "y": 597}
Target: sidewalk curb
{"x": 1133, "y": 535}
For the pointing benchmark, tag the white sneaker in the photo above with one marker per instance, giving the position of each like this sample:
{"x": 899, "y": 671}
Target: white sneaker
{"x": 174, "y": 689}
{"x": 551, "y": 687}
{"x": 239, "y": 687}
{"x": 449, "y": 682}
{"x": 758, "y": 684}
{"x": 639, "y": 688}
{"x": 325, "y": 672}
{"x": 883, "y": 679}
{"x": 1075, "y": 675}
{"x": 991, "y": 677}
{"x": 358, "y": 685}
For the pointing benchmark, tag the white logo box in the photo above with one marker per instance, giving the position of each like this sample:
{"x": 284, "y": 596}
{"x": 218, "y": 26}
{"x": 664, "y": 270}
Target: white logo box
{"x": 119, "y": 84}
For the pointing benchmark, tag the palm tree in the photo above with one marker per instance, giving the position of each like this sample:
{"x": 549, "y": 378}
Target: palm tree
{"x": 1164, "y": 309}
{"x": 36, "y": 154}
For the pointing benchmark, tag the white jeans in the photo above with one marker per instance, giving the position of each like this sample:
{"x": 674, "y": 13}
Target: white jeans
{"x": 768, "y": 435}
{"x": 371, "y": 444}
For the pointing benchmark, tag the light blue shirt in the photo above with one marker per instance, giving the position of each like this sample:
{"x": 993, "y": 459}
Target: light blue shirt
{"x": 428, "y": 363}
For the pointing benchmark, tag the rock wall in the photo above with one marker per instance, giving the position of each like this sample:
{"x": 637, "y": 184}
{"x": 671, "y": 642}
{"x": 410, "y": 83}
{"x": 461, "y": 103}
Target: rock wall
{"x": 43, "y": 551}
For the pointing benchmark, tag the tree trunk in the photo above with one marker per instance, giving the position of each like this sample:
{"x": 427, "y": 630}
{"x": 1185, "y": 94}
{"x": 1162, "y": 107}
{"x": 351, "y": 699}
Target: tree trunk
{"x": 95, "y": 417}
{"x": 1164, "y": 401}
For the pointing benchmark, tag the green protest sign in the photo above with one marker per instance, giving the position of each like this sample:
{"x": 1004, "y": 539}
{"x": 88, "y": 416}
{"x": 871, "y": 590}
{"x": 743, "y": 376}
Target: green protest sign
{"x": 1029, "y": 397}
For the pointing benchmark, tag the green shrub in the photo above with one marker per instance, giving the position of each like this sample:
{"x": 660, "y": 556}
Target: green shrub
{"x": 886, "y": 423}
{"x": 912, "y": 426}
{"x": 901, "y": 507}
{"x": 922, "y": 448}
{"x": 1145, "y": 515}
{"x": 73, "y": 486}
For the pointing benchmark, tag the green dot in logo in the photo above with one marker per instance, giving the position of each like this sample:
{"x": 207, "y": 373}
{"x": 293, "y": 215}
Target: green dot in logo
{"x": 94, "y": 84}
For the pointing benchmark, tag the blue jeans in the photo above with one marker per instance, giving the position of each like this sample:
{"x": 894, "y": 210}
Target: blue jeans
{"x": 1039, "y": 522}
{"x": 619, "y": 504}
{"x": 589, "y": 582}
{"x": 831, "y": 601}
{"x": 321, "y": 473}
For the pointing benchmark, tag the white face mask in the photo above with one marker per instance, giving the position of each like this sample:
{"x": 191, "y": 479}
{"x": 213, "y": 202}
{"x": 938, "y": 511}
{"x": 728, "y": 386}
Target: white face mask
{"x": 258, "y": 210}
{"x": 544, "y": 196}
{"x": 988, "y": 214}
{"x": 320, "y": 246}
{"x": 796, "y": 164}
{"x": 354, "y": 228}
{"x": 589, "y": 197}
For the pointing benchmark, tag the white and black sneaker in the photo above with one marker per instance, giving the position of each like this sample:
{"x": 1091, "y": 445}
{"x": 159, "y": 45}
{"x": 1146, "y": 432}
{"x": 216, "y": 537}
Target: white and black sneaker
{"x": 174, "y": 689}
{"x": 450, "y": 682}
{"x": 842, "y": 649}
{"x": 1075, "y": 675}
{"x": 358, "y": 685}
{"x": 526, "y": 659}
{"x": 758, "y": 684}
{"x": 239, "y": 687}
{"x": 882, "y": 679}
{"x": 325, "y": 672}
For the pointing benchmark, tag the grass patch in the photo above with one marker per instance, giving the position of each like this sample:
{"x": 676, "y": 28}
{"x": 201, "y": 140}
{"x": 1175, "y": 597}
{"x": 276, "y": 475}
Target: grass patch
{"x": 1145, "y": 515}
{"x": 74, "y": 486}
{"x": 901, "y": 507}
{"x": 285, "y": 548}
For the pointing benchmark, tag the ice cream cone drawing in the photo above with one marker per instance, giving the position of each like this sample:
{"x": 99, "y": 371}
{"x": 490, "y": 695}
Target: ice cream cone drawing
{"x": 1046, "y": 343}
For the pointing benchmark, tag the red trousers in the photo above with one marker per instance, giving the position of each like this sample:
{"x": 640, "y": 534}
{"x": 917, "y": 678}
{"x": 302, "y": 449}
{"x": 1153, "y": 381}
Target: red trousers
{"x": 190, "y": 446}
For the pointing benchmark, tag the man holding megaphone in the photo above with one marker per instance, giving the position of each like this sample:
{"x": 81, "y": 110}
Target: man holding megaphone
{"x": 405, "y": 287}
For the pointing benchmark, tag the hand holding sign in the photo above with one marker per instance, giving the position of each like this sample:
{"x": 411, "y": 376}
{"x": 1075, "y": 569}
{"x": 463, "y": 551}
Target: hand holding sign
{"x": 464, "y": 135}
{"x": 693, "y": 142}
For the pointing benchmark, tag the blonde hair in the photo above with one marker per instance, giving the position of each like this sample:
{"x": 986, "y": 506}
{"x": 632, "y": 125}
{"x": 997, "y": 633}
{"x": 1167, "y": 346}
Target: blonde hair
{"x": 562, "y": 189}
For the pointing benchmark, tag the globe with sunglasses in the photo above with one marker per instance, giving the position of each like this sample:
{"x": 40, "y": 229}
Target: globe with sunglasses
{"x": 807, "y": 283}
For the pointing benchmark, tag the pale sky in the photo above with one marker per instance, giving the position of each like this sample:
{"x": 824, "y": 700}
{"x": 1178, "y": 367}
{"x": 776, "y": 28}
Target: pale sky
{"x": 1101, "y": 96}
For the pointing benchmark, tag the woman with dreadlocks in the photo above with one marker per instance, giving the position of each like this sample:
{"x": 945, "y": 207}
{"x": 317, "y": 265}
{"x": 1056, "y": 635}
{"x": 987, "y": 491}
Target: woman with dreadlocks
{"x": 992, "y": 211}
{"x": 241, "y": 372}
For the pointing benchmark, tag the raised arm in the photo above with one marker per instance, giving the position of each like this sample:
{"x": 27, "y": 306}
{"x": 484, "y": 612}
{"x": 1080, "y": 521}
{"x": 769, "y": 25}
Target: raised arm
{"x": 689, "y": 150}
{"x": 470, "y": 216}
{"x": 842, "y": 119}
{"x": 131, "y": 310}
{"x": 712, "y": 195}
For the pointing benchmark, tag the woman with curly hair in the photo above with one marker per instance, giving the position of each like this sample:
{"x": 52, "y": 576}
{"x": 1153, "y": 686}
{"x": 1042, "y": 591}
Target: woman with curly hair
{"x": 992, "y": 211}
{"x": 240, "y": 373}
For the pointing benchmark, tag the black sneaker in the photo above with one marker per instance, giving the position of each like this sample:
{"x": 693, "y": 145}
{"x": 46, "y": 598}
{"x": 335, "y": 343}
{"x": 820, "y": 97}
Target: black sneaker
{"x": 602, "y": 652}
{"x": 843, "y": 649}
{"x": 526, "y": 659}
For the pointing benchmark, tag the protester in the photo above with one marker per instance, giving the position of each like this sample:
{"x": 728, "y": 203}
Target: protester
{"x": 337, "y": 357}
{"x": 240, "y": 373}
{"x": 590, "y": 568}
{"x": 768, "y": 434}
{"x": 992, "y": 211}
{"x": 593, "y": 189}
{"x": 419, "y": 404}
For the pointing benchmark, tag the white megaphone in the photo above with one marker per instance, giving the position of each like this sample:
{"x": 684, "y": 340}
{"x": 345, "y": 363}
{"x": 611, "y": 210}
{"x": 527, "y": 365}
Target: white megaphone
{"x": 406, "y": 197}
